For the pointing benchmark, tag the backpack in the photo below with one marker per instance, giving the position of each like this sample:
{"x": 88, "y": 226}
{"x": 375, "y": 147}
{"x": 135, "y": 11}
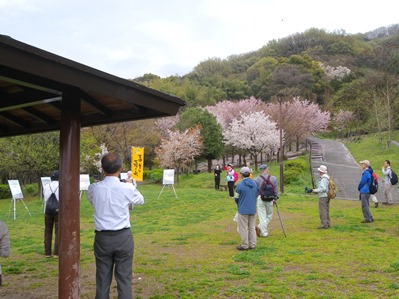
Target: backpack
{"x": 235, "y": 176}
{"x": 52, "y": 204}
{"x": 394, "y": 178}
{"x": 266, "y": 190}
{"x": 374, "y": 184}
{"x": 332, "y": 189}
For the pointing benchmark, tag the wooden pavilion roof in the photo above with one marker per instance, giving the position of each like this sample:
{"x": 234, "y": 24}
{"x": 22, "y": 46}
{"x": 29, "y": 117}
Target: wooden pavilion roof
{"x": 32, "y": 82}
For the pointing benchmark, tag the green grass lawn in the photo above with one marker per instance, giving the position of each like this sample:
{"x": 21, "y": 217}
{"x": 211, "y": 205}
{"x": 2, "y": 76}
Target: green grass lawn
{"x": 186, "y": 248}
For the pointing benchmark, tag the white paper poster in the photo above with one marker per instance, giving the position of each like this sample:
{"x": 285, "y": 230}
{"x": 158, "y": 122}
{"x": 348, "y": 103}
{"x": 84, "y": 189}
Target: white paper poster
{"x": 45, "y": 181}
{"x": 15, "y": 189}
{"x": 168, "y": 176}
{"x": 84, "y": 182}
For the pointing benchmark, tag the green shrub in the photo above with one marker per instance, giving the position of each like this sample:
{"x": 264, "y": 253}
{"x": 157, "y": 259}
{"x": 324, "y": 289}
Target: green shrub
{"x": 5, "y": 191}
{"x": 291, "y": 175}
{"x": 153, "y": 176}
{"x": 294, "y": 170}
{"x": 299, "y": 163}
{"x": 31, "y": 189}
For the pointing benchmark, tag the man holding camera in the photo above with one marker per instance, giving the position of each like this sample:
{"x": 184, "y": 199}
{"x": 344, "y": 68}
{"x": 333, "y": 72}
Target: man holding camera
{"x": 324, "y": 201}
{"x": 265, "y": 206}
{"x": 113, "y": 242}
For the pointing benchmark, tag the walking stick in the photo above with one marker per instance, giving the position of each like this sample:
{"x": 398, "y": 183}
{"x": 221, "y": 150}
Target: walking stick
{"x": 279, "y": 217}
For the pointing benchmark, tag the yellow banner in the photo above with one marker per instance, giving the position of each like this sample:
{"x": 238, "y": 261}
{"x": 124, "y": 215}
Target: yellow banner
{"x": 138, "y": 163}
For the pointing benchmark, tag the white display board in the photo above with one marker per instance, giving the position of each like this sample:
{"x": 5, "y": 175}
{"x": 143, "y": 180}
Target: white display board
{"x": 84, "y": 182}
{"x": 45, "y": 180}
{"x": 123, "y": 175}
{"x": 15, "y": 189}
{"x": 168, "y": 179}
{"x": 168, "y": 176}
{"x": 16, "y": 195}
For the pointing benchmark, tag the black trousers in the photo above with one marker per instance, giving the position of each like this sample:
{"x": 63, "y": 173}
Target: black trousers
{"x": 50, "y": 222}
{"x": 217, "y": 182}
{"x": 230, "y": 184}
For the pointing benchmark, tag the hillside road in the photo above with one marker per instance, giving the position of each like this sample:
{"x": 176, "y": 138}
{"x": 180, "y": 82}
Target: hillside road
{"x": 341, "y": 165}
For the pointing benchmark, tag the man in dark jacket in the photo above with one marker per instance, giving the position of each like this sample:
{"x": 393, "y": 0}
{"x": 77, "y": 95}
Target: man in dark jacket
{"x": 364, "y": 189}
{"x": 245, "y": 197}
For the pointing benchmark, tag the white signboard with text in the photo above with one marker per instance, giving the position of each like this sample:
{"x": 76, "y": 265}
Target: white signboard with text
{"x": 84, "y": 182}
{"x": 15, "y": 189}
{"x": 168, "y": 176}
{"x": 45, "y": 181}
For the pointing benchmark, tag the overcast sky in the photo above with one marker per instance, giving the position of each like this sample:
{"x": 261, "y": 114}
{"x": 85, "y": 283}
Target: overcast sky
{"x": 129, "y": 38}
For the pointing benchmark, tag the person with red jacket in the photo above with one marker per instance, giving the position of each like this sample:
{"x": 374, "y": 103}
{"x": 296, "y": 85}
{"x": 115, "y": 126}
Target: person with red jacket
{"x": 231, "y": 178}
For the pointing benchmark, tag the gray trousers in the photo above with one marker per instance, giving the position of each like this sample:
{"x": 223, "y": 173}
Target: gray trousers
{"x": 324, "y": 211}
{"x": 388, "y": 193}
{"x": 246, "y": 229}
{"x": 114, "y": 252}
{"x": 364, "y": 198}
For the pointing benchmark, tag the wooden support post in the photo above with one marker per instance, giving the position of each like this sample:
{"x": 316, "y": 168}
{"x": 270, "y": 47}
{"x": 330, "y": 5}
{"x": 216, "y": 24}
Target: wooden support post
{"x": 69, "y": 207}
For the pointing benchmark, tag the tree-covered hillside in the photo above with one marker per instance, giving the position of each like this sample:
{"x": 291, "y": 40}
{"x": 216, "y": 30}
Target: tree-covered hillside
{"x": 344, "y": 73}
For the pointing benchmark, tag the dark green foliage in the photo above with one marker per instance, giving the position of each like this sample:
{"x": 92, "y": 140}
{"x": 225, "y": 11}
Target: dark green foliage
{"x": 5, "y": 191}
{"x": 31, "y": 189}
{"x": 211, "y": 132}
{"x": 153, "y": 176}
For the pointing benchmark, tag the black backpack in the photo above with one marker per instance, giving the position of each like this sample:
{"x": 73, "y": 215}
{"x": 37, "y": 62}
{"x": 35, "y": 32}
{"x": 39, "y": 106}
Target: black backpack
{"x": 373, "y": 185}
{"x": 52, "y": 204}
{"x": 394, "y": 178}
{"x": 266, "y": 190}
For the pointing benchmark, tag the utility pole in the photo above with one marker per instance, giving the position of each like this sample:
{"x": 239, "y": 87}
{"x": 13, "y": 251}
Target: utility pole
{"x": 281, "y": 150}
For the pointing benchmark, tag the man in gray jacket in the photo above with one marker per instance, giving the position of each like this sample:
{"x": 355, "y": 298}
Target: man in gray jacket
{"x": 265, "y": 208}
{"x": 387, "y": 172}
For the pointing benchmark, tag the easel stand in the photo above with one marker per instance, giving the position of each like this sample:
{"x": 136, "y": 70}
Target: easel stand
{"x": 15, "y": 207}
{"x": 173, "y": 186}
{"x": 81, "y": 193}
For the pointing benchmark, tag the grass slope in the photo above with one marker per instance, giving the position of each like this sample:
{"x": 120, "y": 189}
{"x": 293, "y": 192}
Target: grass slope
{"x": 185, "y": 248}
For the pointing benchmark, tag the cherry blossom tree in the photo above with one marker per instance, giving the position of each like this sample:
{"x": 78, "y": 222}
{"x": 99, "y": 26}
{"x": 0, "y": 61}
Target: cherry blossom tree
{"x": 253, "y": 132}
{"x": 300, "y": 118}
{"x": 226, "y": 111}
{"x": 179, "y": 149}
{"x": 344, "y": 120}
{"x": 337, "y": 73}
{"x": 164, "y": 124}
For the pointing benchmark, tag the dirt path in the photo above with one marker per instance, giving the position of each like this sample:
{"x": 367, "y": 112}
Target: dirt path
{"x": 342, "y": 166}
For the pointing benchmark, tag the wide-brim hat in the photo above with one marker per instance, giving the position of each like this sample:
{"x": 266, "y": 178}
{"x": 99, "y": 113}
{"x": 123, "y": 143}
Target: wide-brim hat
{"x": 322, "y": 169}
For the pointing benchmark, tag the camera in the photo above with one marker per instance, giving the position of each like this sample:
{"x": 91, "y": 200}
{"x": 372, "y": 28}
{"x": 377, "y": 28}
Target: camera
{"x": 308, "y": 190}
{"x": 122, "y": 181}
